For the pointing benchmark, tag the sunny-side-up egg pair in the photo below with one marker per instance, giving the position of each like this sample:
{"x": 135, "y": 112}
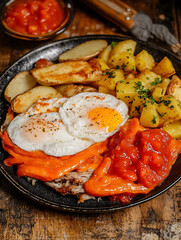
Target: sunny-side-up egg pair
{"x": 66, "y": 126}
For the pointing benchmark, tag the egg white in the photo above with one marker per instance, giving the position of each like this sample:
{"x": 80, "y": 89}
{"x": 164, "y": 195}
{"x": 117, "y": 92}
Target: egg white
{"x": 74, "y": 114}
{"x": 41, "y": 129}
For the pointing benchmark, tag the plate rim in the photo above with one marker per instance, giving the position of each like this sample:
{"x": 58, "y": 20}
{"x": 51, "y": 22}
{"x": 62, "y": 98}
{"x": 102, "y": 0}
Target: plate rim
{"x": 78, "y": 208}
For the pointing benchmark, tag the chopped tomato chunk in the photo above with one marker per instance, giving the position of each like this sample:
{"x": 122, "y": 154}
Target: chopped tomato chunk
{"x": 34, "y": 17}
{"x": 138, "y": 159}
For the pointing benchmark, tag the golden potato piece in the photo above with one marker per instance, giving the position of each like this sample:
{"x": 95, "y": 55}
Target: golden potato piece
{"x": 174, "y": 87}
{"x": 21, "y": 83}
{"x": 149, "y": 78}
{"x": 68, "y": 72}
{"x": 110, "y": 78}
{"x": 174, "y": 129}
{"x": 137, "y": 106}
{"x": 169, "y": 108}
{"x": 160, "y": 89}
{"x": 128, "y": 46}
{"x": 84, "y": 51}
{"x": 129, "y": 76}
{"x": 103, "y": 64}
{"x": 126, "y": 90}
{"x": 124, "y": 60}
{"x": 149, "y": 116}
{"x": 104, "y": 55}
{"x": 106, "y": 90}
{"x": 23, "y": 102}
{"x": 144, "y": 60}
{"x": 122, "y": 55}
{"x": 69, "y": 90}
{"x": 164, "y": 68}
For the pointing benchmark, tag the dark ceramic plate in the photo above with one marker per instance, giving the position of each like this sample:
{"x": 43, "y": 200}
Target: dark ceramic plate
{"x": 43, "y": 194}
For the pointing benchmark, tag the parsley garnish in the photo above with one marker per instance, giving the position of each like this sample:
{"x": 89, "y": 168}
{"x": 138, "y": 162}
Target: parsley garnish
{"x": 141, "y": 90}
{"x": 123, "y": 66}
{"x": 157, "y": 81}
{"x": 113, "y": 44}
{"x": 154, "y": 119}
{"x": 167, "y": 102}
{"x": 138, "y": 109}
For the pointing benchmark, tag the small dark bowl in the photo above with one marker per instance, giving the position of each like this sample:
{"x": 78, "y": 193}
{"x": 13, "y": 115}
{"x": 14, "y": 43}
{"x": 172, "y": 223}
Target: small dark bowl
{"x": 69, "y": 10}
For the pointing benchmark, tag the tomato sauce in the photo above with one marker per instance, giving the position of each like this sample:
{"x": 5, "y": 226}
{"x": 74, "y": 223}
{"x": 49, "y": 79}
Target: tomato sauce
{"x": 34, "y": 17}
{"x": 137, "y": 160}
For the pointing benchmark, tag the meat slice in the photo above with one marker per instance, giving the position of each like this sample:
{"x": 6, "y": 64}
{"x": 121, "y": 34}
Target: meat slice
{"x": 72, "y": 184}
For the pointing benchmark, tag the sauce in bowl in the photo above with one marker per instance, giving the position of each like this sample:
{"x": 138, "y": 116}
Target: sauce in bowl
{"x": 35, "y": 18}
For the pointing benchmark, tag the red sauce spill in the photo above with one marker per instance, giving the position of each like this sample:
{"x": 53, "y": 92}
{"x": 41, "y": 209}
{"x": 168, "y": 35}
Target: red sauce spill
{"x": 137, "y": 160}
{"x": 34, "y": 17}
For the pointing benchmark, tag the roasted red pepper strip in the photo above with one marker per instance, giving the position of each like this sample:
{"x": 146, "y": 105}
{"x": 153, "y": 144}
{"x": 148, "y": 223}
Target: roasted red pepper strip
{"x": 47, "y": 168}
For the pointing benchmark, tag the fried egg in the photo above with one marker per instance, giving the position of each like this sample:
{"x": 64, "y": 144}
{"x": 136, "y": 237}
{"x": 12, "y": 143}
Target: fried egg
{"x": 93, "y": 116}
{"x": 41, "y": 128}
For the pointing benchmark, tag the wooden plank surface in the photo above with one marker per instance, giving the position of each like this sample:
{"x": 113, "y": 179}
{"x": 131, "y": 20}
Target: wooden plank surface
{"x": 158, "y": 219}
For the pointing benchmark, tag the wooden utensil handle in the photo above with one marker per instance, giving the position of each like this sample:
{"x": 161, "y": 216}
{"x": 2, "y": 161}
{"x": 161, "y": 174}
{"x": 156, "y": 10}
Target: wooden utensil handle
{"x": 116, "y": 11}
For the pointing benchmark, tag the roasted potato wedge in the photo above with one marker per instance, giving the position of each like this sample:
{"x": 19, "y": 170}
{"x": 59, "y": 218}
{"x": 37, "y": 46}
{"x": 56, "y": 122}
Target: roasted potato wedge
{"x": 122, "y": 55}
{"x": 160, "y": 89}
{"x": 144, "y": 60}
{"x": 129, "y": 75}
{"x": 21, "y": 83}
{"x": 104, "y": 55}
{"x": 68, "y": 72}
{"x": 169, "y": 108}
{"x": 124, "y": 60}
{"x": 106, "y": 90}
{"x": 126, "y": 90}
{"x": 149, "y": 116}
{"x": 174, "y": 129}
{"x": 103, "y": 64}
{"x": 69, "y": 90}
{"x": 128, "y": 46}
{"x": 149, "y": 78}
{"x": 137, "y": 106}
{"x": 174, "y": 87}
{"x": 164, "y": 68}
{"x": 110, "y": 78}
{"x": 84, "y": 51}
{"x": 23, "y": 102}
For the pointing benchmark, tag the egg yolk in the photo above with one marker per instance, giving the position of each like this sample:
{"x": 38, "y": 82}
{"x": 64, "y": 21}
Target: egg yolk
{"x": 103, "y": 117}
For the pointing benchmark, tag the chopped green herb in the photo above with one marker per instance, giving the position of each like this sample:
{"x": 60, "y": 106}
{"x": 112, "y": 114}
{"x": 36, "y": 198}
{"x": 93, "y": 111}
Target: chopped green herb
{"x": 123, "y": 66}
{"x": 138, "y": 109}
{"x": 167, "y": 102}
{"x": 113, "y": 44}
{"x": 157, "y": 81}
{"x": 154, "y": 119}
{"x": 152, "y": 100}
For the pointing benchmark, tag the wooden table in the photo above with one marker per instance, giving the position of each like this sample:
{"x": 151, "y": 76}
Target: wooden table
{"x": 159, "y": 218}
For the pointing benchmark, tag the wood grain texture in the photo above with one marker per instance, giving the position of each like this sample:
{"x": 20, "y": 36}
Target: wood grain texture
{"x": 158, "y": 219}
